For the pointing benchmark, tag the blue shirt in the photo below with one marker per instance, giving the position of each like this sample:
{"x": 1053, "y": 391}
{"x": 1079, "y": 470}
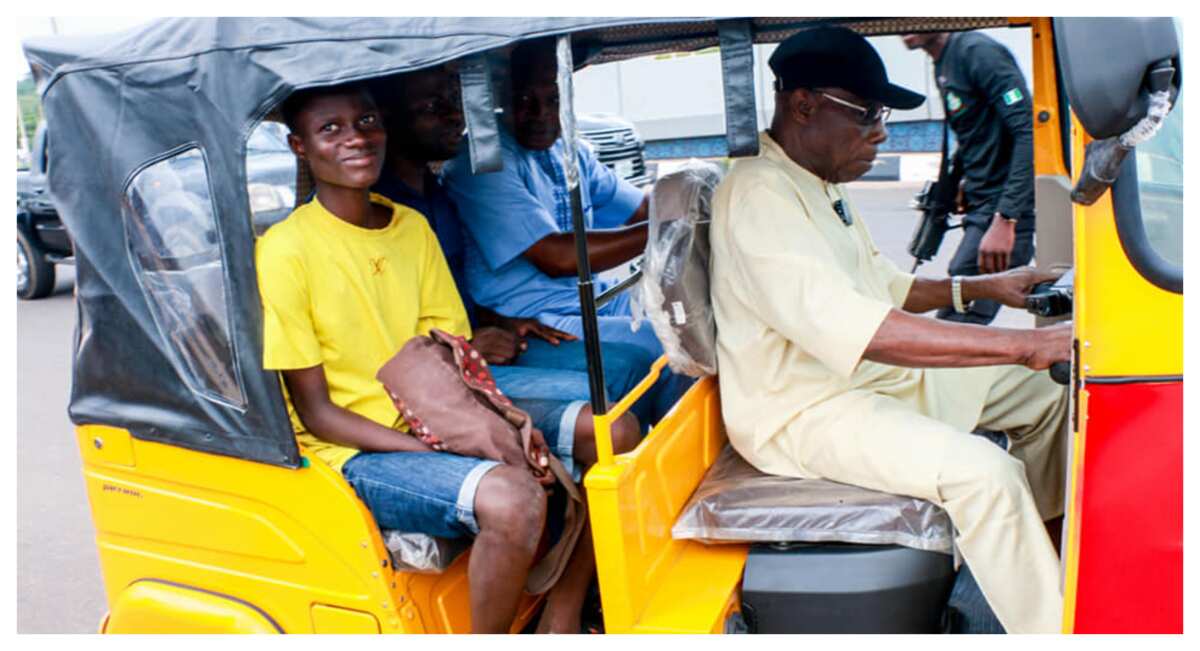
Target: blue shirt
{"x": 435, "y": 205}
{"x": 505, "y": 213}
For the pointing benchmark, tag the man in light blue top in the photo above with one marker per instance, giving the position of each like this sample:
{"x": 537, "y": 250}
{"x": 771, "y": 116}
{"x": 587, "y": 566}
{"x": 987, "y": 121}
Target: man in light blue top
{"x": 520, "y": 250}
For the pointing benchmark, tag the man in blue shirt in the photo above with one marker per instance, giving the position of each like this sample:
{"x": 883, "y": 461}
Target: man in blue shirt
{"x": 530, "y": 359}
{"x": 520, "y": 250}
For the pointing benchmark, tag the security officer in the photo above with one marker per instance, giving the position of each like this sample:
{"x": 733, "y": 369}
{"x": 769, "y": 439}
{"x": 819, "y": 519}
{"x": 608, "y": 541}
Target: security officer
{"x": 829, "y": 371}
{"x": 989, "y": 108}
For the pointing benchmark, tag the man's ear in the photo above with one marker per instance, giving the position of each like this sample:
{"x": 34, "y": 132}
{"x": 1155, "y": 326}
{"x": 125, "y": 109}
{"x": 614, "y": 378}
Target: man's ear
{"x": 801, "y": 105}
{"x": 296, "y": 145}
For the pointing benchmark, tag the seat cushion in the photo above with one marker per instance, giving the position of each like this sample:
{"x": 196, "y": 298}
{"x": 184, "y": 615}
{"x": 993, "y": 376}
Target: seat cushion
{"x": 737, "y": 503}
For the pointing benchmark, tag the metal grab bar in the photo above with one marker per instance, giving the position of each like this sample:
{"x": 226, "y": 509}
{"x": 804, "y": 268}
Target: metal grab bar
{"x": 603, "y": 422}
{"x": 613, "y": 291}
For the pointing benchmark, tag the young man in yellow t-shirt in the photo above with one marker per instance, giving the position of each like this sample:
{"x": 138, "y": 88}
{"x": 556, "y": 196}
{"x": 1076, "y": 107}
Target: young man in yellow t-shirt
{"x": 346, "y": 280}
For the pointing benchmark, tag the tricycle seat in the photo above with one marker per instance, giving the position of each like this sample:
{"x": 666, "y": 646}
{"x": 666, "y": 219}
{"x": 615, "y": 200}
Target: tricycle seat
{"x": 737, "y": 503}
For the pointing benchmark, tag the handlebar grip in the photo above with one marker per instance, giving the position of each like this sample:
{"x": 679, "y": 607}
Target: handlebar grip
{"x": 1060, "y": 372}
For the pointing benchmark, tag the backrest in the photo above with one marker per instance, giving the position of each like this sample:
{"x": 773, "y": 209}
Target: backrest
{"x": 674, "y": 291}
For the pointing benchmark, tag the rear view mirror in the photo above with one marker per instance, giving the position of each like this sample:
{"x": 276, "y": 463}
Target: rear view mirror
{"x": 1105, "y": 64}
{"x": 1122, "y": 77}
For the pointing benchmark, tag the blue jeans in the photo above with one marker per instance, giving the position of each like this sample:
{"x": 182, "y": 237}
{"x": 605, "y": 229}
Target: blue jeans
{"x": 434, "y": 492}
{"x": 614, "y": 321}
{"x": 615, "y": 331}
{"x": 546, "y": 371}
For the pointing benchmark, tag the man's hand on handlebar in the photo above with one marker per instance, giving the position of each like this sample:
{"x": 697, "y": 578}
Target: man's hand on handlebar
{"x": 1049, "y": 345}
{"x": 1011, "y": 287}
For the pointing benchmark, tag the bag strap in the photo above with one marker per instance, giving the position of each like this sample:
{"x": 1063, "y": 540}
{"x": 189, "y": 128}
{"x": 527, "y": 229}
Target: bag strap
{"x": 546, "y": 572}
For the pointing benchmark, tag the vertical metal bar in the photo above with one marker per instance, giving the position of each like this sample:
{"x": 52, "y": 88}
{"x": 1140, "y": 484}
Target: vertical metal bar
{"x": 587, "y": 297}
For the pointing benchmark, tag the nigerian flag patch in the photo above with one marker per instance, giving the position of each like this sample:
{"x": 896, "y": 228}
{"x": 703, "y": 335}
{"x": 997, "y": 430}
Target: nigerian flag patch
{"x": 1012, "y": 97}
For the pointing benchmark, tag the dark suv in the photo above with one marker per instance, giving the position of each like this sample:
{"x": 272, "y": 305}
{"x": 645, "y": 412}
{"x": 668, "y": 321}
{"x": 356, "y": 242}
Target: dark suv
{"x": 617, "y": 145}
{"x": 42, "y": 240}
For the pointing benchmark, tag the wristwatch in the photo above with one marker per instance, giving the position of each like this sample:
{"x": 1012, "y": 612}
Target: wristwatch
{"x": 956, "y": 294}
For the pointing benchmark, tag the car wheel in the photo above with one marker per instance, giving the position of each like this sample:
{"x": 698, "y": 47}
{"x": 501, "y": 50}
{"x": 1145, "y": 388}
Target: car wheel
{"x": 35, "y": 276}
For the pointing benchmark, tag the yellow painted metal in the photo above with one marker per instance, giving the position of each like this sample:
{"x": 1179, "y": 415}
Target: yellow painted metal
{"x": 331, "y": 619}
{"x": 156, "y": 607}
{"x": 635, "y": 499}
{"x": 279, "y": 539}
{"x": 1047, "y": 129}
{"x": 1125, "y": 325}
{"x": 604, "y": 422}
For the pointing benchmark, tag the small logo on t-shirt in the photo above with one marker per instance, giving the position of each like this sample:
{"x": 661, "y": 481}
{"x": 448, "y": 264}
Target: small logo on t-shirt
{"x": 954, "y": 103}
{"x": 376, "y": 265}
{"x": 1012, "y": 96}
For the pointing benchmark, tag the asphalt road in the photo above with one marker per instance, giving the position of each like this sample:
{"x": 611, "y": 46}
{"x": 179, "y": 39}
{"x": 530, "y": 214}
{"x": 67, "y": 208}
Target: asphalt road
{"x": 59, "y": 589}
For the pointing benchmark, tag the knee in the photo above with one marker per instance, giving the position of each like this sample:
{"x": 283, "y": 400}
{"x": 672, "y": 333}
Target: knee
{"x": 1001, "y": 474}
{"x": 511, "y": 503}
{"x": 626, "y": 433}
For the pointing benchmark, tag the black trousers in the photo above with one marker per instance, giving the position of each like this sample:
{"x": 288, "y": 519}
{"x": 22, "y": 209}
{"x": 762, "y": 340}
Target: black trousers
{"x": 966, "y": 263}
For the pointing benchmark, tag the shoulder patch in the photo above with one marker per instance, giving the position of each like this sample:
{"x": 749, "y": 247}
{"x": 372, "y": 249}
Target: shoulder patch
{"x": 1012, "y": 96}
{"x": 954, "y": 103}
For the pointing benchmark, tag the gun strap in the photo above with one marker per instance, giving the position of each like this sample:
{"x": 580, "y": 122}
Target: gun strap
{"x": 944, "y": 168}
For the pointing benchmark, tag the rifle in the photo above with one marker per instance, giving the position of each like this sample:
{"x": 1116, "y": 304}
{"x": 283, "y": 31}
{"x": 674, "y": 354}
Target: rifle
{"x": 936, "y": 201}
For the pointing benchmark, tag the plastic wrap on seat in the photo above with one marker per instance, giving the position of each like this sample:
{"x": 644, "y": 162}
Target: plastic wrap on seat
{"x": 418, "y": 552}
{"x": 673, "y": 293}
{"x": 737, "y": 503}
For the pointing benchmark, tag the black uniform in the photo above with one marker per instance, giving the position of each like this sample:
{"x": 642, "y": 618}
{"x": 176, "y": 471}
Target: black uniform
{"x": 990, "y": 111}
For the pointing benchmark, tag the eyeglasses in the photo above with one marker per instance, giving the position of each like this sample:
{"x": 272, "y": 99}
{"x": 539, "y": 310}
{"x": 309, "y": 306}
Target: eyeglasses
{"x": 868, "y": 116}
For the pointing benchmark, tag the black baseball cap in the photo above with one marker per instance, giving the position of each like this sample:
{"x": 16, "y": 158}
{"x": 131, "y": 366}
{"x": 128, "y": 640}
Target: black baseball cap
{"x": 837, "y": 57}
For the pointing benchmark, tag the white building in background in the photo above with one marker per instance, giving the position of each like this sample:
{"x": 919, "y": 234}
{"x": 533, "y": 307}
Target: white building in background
{"x": 686, "y": 117}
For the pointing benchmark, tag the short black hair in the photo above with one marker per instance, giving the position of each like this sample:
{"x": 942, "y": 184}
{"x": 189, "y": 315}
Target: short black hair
{"x": 529, "y": 54}
{"x": 298, "y": 100}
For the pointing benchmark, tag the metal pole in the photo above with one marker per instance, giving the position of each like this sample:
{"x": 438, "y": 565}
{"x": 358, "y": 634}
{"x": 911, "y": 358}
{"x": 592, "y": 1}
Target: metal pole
{"x": 587, "y": 292}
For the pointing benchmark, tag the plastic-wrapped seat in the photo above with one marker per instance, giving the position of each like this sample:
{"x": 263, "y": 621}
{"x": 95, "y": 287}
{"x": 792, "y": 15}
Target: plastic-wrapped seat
{"x": 828, "y": 557}
{"x": 673, "y": 294}
{"x": 737, "y": 503}
{"x": 418, "y": 552}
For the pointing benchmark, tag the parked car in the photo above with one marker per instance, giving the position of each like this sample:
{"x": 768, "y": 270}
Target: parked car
{"x": 618, "y": 145}
{"x": 42, "y": 241}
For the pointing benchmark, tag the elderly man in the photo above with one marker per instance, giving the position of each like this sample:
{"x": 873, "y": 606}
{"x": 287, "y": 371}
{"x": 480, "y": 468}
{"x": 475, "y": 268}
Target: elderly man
{"x": 826, "y": 373}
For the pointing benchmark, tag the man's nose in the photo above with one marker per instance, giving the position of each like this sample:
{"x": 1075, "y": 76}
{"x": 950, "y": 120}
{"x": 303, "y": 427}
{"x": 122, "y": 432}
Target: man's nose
{"x": 542, "y": 109}
{"x": 878, "y": 133}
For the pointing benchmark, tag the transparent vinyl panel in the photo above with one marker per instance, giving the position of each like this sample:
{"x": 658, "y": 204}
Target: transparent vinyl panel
{"x": 174, "y": 244}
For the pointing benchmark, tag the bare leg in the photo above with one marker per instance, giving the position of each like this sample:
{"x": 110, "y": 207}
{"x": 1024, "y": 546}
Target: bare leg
{"x": 510, "y": 507}
{"x": 564, "y": 603}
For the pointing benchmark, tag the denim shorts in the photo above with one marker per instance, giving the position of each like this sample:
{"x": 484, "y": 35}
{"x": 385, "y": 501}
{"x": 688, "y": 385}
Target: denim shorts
{"x": 434, "y": 492}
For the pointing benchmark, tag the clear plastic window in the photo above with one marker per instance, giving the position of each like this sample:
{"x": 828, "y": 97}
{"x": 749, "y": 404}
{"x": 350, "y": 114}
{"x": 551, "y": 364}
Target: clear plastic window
{"x": 1160, "y": 186}
{"x": 270, "y": 175}
{"x": 175, "y": 246}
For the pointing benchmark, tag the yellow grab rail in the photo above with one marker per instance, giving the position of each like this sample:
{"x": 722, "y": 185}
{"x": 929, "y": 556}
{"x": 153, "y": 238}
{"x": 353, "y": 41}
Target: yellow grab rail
{"x": 603, "y": 422}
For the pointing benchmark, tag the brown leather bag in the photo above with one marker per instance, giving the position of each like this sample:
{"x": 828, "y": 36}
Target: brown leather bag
{"x": 443, "y": 389}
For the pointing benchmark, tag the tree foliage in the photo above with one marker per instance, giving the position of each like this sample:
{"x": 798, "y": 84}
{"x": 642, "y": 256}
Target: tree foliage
{"x": 29, "y": 104}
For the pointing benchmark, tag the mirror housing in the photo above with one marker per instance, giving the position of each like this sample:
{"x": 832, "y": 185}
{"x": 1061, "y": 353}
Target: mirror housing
{"x": 1105, "y": 64}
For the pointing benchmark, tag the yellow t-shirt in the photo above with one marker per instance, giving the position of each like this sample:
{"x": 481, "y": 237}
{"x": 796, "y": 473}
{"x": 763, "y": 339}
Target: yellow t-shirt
{"x": 348, "y": 298}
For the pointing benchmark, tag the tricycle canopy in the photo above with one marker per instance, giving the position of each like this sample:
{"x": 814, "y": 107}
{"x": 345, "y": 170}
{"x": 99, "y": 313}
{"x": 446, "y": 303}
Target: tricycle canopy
{"x": 147, "y": 169}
